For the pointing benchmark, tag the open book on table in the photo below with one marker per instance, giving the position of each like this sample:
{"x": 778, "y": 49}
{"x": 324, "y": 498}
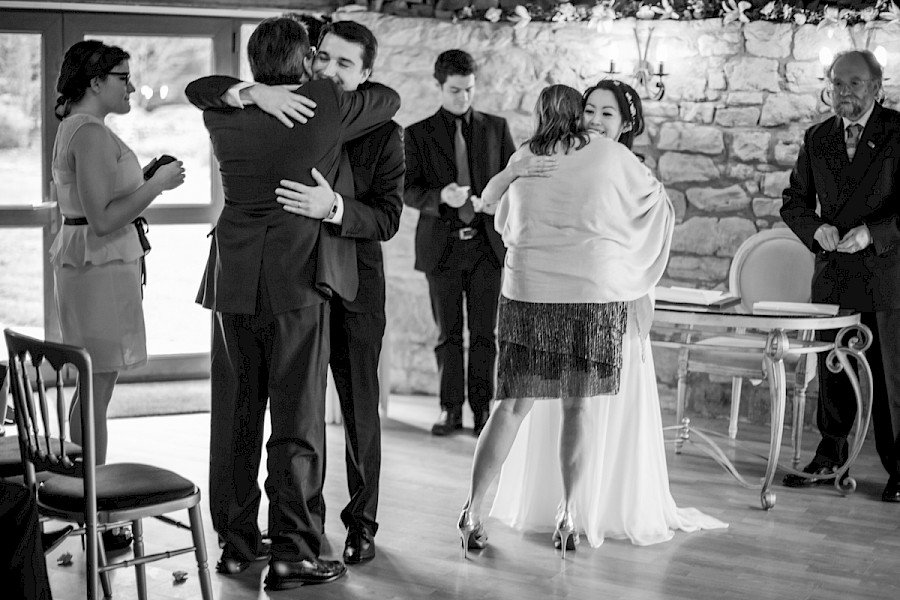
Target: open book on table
{"x": 695, "y": 297}
{"x": 794, "y": 308}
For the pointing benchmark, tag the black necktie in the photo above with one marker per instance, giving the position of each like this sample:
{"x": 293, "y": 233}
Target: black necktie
{"x": 466, "y": 212}
{"x": 853, "y": 133}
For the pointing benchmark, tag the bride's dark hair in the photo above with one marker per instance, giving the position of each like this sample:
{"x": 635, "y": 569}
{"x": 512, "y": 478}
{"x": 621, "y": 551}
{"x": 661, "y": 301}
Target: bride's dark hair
{"x": 558, "y": 113}
{"x": 84, "y": 61}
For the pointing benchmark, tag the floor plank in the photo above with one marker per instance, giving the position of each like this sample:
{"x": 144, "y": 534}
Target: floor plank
{"x": 815, "y": 544}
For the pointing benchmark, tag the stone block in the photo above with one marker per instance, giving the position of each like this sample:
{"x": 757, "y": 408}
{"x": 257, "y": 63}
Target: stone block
{"x": 744, "y": 99}
{"x": 678, "y": 166}
{"x": 767, "y": 39}
{"x": 693, "y": 236}
{"x": 804, "y": 77}
{"x": 742, "y": 172}
{"x": 745, "y": 116}
{"x": 720, "y": 43}
{"x": 697, "y": 112}
{"x": 718, "y": 199}
{"x": 786, "y": 152}
{"x": 781, "y": 109}
{"x": 689, "y": 137}
{"x": 731, "y": 233}
{"x": 750, "y": 145}
{"x": 774, "y": 183}
{"x": 678, "y": 202}
{"x": 698, "y": 269}
{"x": 767, "y": 207}
{"x": 749, "y": 73}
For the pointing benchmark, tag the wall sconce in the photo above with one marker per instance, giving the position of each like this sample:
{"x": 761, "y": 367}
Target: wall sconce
{"x": 613, "y": 57}
{"x": 644, "y": 75}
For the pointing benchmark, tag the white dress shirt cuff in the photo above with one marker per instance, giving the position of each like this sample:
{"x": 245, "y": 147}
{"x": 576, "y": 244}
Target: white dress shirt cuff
{"x": 337, "y": 211}
{"x": 233, "y": 96}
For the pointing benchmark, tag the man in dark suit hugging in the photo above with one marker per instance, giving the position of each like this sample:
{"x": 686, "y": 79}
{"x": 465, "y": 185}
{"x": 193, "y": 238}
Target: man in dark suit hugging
{"x": 269, "y": 280}
{"x": 850, "y": 165}
{"x": 450, "y": 157}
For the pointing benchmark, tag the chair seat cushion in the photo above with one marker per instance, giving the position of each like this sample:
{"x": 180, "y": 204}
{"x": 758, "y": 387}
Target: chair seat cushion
{"x": 11, "y": 459}
{"x": 120, "y": 486}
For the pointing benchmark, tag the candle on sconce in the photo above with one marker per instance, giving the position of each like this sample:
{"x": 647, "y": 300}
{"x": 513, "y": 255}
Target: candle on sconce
{"x": 826, "y": 56}
{"x": 881, "y": 56}
{"x": 660, "y": 71}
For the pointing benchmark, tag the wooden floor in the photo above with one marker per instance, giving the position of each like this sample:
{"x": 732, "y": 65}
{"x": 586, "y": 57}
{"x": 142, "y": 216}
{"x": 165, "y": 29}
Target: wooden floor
{"x": 815, "y": 544}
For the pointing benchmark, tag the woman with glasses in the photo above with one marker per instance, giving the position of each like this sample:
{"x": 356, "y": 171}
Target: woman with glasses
{"x": 97, "y": 255}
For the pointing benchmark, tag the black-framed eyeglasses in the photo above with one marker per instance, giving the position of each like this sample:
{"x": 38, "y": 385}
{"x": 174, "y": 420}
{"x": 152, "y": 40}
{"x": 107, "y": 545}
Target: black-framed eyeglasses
{"x": 123, "y": 75}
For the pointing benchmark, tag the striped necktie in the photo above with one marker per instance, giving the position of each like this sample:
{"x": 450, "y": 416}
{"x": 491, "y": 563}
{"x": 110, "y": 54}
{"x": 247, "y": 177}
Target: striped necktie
{"x": 853, "y": 132}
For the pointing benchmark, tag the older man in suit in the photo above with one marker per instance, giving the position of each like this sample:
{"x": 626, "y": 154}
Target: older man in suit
{"x": 269, "y": 281}
{"x": 850, "y": 165}
{"x": 450, "y": 157}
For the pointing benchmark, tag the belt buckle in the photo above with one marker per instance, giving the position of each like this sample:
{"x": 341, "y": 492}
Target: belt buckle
{"x": 467, "y": 233}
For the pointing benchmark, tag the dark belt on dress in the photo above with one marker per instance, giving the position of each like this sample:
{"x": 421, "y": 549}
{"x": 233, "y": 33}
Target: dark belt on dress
{"x": 466, "y": 233}
{"x": 142, "y": 228}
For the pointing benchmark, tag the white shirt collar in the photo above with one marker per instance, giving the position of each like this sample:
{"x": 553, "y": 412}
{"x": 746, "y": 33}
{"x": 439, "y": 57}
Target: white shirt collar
{"x": 861, "y": 121}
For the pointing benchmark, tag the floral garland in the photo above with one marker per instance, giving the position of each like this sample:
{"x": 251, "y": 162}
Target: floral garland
{"x": 840, "y": 13}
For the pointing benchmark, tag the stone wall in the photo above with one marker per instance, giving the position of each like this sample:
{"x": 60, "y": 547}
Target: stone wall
{"x": 723, "y": 139}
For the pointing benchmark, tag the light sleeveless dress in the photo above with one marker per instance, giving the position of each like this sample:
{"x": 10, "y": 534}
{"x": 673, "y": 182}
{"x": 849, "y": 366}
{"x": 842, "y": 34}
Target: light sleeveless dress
{"x": 98, "y": 279}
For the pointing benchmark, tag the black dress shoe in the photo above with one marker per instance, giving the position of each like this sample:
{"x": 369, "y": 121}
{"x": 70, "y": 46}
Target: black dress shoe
{"x": 284, "y": 575}
{"x": 233, "y": 563}
{"x": 448, "y": 423}
{"x": 359, "y": 546}
{"x": 481, "y": 418}
{"x": 891, "y": 491}
{"x": 798, "y": 481}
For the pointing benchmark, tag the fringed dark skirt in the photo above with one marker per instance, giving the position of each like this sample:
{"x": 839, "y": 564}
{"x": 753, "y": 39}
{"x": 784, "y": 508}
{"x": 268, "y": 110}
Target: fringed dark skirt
{"x": 559, "y": 350}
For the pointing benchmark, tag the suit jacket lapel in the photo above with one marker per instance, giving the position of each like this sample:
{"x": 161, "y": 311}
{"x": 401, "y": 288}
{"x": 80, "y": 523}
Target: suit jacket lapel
{"x": 853, "y": 190}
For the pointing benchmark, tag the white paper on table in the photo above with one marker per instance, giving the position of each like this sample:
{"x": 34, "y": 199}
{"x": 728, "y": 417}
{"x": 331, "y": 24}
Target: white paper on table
{"x": 765, "y": 307}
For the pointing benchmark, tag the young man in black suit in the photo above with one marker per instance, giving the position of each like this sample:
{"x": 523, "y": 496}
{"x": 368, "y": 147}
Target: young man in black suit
{"x": 450, "y": 157}
{"x": 345, "y": 54}
{"x": 850, "y": 165}
{"x": 269, "y": 281}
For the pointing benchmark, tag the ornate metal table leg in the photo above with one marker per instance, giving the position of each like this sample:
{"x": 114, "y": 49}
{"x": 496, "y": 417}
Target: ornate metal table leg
{"x": 860, "y": 338}
{"x": 776, "y": 346}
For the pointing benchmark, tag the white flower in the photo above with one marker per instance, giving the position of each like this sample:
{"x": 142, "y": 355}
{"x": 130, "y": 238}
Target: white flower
{"x": 564, "y": 12}
{"x": 734, "y": 11}
{"x": 602, "y": 17}
{"x": 645, "y": 12}
{"x": 493, "y": 14}
{"x": 521, "y": 18}
{"x": 768, "y": 9}
{"x": 800, "y": 18}
{"x": 892, "y": 14}
{"x": 666, "y": 11}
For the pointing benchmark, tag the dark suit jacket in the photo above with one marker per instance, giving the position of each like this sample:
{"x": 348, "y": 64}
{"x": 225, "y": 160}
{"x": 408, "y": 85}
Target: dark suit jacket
{"x": 255, "y": 237}
{"x": 373, "y": 214}
{"x": 430, "y": 166}
{"x": 850, "y": 194}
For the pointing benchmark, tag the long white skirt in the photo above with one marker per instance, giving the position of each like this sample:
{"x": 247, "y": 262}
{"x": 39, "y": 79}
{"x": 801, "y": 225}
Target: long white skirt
{"x": 625, "y": 490}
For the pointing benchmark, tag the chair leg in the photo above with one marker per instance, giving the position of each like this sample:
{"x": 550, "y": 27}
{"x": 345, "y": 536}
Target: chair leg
{"x": 140, "y": 570}
{"x": 799, "y": 405}
{"x": 736, "y": 383}
{"x": 101, "y": 561}
{"x": 200, "y": 551}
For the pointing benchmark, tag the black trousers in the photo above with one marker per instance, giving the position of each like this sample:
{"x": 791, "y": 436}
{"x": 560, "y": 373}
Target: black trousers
{"x": 280, "y": 359}
{"x": 837, "y": 404}
{"x": 476, "y": 283}
{"x": 356, "y": 340}
{"x": 23, "y": 568}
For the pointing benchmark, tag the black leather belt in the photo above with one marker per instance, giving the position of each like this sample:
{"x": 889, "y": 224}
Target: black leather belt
{"x": 142, "y": 228}
{"x": 466, "y": 233}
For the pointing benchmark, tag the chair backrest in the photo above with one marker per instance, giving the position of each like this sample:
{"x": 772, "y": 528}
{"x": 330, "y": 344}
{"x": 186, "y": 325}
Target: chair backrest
{"x": 42, "y": 419}
{"x": 772, "y": 265}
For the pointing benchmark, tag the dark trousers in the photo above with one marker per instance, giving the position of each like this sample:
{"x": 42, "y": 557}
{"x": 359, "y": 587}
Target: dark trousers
{"x": 837, "y": 404}
{"x": 355, "y": 349}
{"x": 477, "y": 284}
{"x": 23, "y": 570}
{"x": 282, "y": 359}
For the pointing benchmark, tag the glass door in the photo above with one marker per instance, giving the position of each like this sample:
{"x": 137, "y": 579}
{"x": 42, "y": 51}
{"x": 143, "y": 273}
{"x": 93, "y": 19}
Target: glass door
{"x": 166, "y": 54}
{"x": 30, "y": 50}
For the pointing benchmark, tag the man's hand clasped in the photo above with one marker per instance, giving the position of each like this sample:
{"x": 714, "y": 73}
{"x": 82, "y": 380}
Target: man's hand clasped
{"x": 854, "y": 240}
{"x": 454, "y": 195}
{"x": 313, "y": 201}
{"x": 281, "y": 102}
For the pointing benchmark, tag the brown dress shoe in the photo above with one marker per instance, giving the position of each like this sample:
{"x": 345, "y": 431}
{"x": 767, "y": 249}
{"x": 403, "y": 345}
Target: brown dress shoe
{"x": 447, "y": 424}
{"x": 284, "y": 575}
{"x": 798, "y": 481}
{"x": 891, "y": 491}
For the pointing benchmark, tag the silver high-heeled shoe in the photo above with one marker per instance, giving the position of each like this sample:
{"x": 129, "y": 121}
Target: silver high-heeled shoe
{"x": 565, "y": 537}
{"x": 471, "y": 534}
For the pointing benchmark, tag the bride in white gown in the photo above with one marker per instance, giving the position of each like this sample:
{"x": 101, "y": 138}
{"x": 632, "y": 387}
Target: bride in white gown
{"x": 623, "y": 489}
